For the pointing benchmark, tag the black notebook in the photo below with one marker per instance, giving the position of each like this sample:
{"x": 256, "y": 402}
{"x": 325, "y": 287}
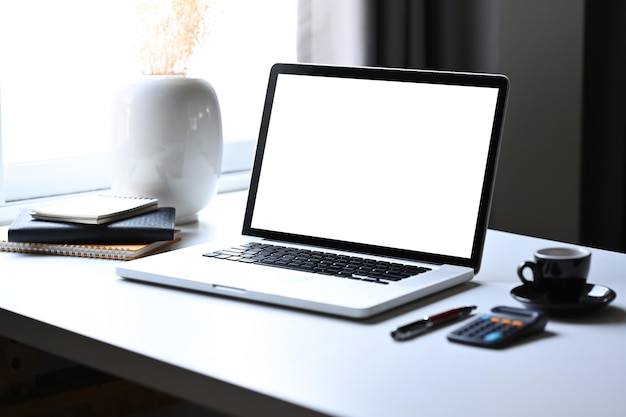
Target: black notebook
{"x": 154, "y": 226}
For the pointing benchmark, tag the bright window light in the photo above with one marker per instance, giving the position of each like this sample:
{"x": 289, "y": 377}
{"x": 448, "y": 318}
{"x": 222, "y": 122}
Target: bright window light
{"x": 62, "y": 62}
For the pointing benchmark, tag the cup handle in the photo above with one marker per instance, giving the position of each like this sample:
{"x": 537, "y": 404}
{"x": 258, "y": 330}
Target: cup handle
{"x": 520, "y": 272}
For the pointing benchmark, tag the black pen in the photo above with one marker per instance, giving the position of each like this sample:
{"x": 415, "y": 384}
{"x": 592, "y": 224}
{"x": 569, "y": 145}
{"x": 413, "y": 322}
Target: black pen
{"x": 428, "y": 322}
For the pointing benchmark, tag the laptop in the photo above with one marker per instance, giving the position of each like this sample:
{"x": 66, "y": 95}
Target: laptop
{"x": 370, "y": 188}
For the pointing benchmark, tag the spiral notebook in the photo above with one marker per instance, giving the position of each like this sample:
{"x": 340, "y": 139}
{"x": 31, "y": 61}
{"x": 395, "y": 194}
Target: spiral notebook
{"x": 123, "y": 252}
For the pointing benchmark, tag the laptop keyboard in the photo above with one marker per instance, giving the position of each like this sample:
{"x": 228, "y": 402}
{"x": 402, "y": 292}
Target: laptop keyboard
{"x": 324, "y": 263}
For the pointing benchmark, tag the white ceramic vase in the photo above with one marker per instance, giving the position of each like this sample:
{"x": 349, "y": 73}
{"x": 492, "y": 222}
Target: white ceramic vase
{"x": 167, "y": 143}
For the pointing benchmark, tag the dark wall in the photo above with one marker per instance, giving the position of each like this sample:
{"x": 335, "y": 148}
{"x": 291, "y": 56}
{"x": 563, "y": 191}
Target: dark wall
{"x": 538, "y": 184}
{"x": 603, "y": 204}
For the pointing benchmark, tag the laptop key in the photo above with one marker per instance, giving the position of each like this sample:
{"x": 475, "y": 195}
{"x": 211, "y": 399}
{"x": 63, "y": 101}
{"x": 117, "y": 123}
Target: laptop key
{"x": 248, "y": 260}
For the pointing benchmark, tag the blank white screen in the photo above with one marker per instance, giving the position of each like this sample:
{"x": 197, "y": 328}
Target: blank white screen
{"x": 387, "y": 163}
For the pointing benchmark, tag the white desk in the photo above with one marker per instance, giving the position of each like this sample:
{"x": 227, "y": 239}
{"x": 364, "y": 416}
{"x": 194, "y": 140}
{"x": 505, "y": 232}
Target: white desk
{"x": 252, "y": 359}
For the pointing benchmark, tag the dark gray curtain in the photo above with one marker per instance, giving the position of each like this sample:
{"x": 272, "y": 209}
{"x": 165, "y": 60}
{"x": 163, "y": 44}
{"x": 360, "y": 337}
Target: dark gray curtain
{"x": 430, "y": 34}
{"x": 603, "y": 190}
{"x": 434, "y": 34}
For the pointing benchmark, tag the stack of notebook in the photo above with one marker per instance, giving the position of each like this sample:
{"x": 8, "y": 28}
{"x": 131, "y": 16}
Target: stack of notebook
{"x": 98, "y": 226}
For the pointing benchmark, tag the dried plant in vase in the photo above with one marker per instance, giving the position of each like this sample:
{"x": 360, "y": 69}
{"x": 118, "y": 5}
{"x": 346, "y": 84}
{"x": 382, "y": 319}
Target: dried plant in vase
{"x": 170, "y": 32}
{"x": 167, "y": 136}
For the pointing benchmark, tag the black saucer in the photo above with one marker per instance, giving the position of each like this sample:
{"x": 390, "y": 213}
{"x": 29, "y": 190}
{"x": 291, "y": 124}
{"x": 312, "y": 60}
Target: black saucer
{"x": 594, "y": 297}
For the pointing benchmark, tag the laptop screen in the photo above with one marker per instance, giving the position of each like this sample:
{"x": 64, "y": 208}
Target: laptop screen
{"x": 399, "y": 161}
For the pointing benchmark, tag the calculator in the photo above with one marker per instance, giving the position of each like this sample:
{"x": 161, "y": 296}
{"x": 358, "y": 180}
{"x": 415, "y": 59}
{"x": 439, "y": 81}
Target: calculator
{"x": 501, "y": 327}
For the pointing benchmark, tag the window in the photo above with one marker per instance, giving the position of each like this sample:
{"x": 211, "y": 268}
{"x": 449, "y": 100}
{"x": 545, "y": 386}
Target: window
{"x": 62, "y": 61}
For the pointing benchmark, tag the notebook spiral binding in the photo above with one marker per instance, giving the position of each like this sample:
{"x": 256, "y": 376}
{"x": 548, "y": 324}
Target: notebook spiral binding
{"x": 128, "y": 197}
{"x": 84, "y": 251}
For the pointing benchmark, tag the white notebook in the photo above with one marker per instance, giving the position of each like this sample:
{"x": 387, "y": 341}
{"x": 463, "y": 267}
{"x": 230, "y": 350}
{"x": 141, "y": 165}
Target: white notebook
{"x": 95, "y": 209}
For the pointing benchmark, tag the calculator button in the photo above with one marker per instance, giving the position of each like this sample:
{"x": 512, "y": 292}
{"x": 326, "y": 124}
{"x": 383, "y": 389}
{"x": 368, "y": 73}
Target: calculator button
{"x": 517, "y": 323}
{"x": 506, "y": 321}
{"x": 495, "y": 319}
{"x": 493, "y": 337}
